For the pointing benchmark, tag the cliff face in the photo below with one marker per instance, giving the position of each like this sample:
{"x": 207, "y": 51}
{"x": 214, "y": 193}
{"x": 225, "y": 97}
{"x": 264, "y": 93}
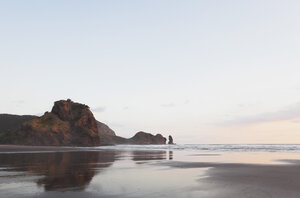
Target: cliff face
{"x": 68, "y": 124}
{"x": 82, "y": 121}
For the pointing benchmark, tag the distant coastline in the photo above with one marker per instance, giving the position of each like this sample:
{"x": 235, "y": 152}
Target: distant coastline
{"x": 68, "y": 124}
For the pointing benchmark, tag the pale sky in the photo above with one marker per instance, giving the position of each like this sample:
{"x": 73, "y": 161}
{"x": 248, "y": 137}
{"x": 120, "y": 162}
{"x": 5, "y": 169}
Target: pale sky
{"x": 202, "y": 71}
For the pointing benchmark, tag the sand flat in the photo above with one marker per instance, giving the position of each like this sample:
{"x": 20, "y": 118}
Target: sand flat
{"x": 25, "y": 148}
{"x": 246, "y": 180}
{"x": 88, "y": 172}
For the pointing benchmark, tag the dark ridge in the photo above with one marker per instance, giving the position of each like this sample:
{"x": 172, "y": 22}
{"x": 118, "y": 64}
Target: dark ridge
{"x": 9, "y": 122}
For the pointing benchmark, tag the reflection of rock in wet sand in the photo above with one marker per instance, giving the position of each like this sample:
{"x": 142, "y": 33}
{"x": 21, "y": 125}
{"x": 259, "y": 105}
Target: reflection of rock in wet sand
{"x": 170, "y": 155}
{"x": 148, "y": 155}
{"x": 62, "y": 170}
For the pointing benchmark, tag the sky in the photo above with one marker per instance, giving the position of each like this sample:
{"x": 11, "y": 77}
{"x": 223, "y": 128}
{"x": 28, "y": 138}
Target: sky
{"x": 202, "y": 71}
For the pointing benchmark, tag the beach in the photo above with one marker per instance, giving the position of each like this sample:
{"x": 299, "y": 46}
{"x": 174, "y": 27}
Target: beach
{"x": 136, "y": 172}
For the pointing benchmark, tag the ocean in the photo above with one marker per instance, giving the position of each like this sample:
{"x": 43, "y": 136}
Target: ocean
{"x": 214, "y": 147}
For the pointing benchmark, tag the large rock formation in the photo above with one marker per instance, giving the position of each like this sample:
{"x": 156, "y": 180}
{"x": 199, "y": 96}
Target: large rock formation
{"x": 68, "y": 124}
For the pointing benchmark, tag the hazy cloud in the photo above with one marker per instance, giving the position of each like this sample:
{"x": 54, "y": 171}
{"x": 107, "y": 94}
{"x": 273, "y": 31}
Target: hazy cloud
{"x": 246, "y": 105}
{"x": 98, "y": 109}
{"x": 19, "y": 101}
{"x": 287, "y": 113}
{"x": 171, "y": 104}
{"x": 168, "y": 105}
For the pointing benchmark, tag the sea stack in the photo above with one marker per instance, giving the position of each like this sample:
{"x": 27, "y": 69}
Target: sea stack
{"x": 170, "y": 140}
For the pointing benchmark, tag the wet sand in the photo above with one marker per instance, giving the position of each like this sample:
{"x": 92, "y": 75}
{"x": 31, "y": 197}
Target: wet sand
{"x": 20, "y": 148}
{"x": 246, "y": 180}
{"x": 76, "y": 172}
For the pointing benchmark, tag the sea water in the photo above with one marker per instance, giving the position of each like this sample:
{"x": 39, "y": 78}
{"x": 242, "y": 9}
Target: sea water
{"x": 214, "y": 147}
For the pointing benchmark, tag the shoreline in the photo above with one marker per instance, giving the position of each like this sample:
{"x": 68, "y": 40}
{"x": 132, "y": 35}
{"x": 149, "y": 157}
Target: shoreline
{"x": 25, "y": 148}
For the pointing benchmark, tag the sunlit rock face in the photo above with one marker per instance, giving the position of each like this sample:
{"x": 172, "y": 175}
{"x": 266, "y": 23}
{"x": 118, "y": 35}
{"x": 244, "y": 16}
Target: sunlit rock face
{"x": 68, "y": 124}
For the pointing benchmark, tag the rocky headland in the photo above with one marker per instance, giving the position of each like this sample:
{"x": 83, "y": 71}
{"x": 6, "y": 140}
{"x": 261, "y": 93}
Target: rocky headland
{"x": 68, "y": 124}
